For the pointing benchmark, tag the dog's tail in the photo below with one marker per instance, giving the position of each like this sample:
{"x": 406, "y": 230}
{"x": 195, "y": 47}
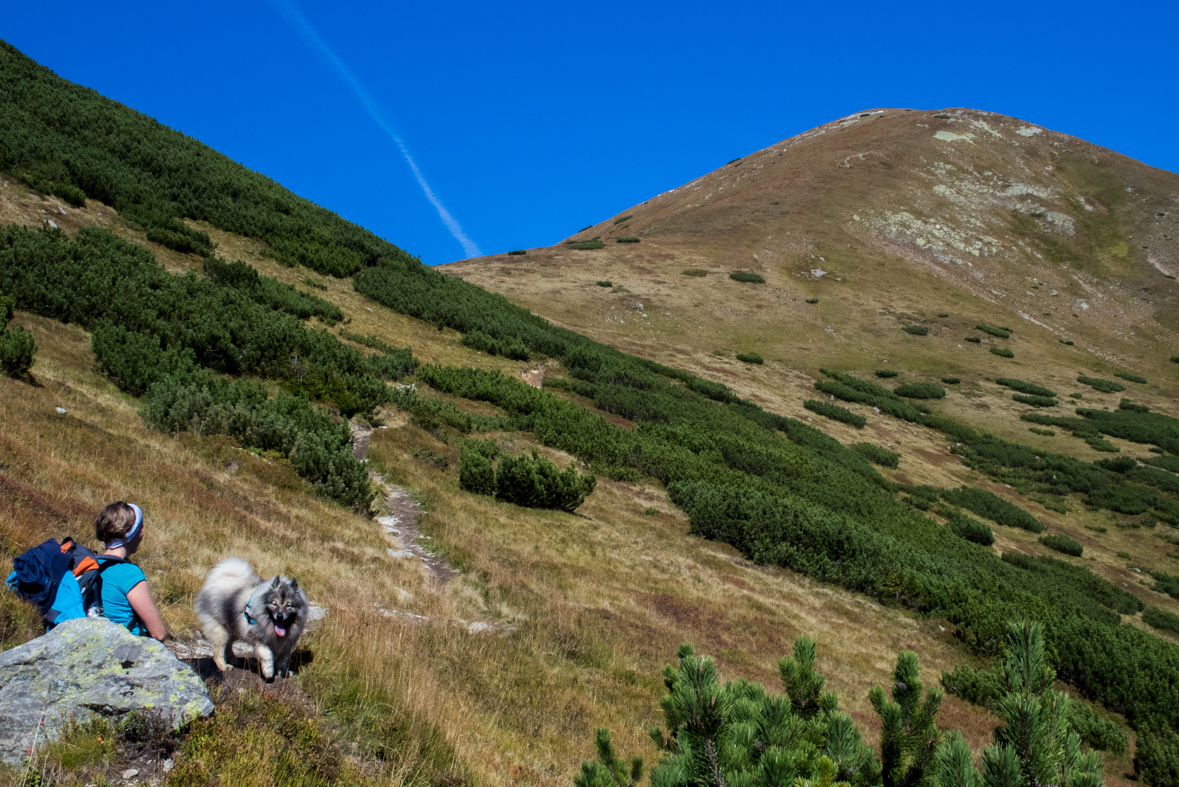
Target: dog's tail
{"x": 232, "y": 571}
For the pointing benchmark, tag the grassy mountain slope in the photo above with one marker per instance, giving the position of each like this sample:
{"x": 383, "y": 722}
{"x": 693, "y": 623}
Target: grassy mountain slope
{"x": 596, "y": 601}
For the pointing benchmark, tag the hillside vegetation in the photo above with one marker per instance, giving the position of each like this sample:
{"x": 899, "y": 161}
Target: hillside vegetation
{"x": 197, "y": 376}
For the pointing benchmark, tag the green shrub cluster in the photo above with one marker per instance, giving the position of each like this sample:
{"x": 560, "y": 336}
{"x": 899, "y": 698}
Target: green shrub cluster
{"x": 605, "y": 283}
{"x": 1131, "y": 377}
{"x": 950, "y": 381}
{"x": 164, "y": 335}
{"x": 812, "y": 300}
{"x": 750, "y": 358}
{"x": 989, "y": 505}
{"x": 916, "y": 330}
{"x": 1042, "y": 432}
{"x": 509, "y": 348}
{"x": 1161, "y": 619}
{"x": 749, "y": 278}
{"x": 620, "y": 219}
{"x": 1104, "y": 386}
{"x": 628, "y": 239}
{"x": 17, "y": 346}
{"x": 521, "y": 252}
{"x": 971, "y": 529}
{"x": 270, "y": 292}
{"x": 835, "y": 413}
{"x": 920, "y": 391}
{"x": 588, "y": 245}
{"x": 1062, "y": 543}
{"x": 1024, "y": 387}
{"x": 532, "y": 482}
{"x": 1166, "y": 462}
{"x": 1034, "y": 401}
{"x": 695, "y": 272}
{"x": 886, "y": 373}
{"x": 974, "y": 340}
{"x": 877, "y": 455}
{"x": 1002, "y": 333}
{"x": 1166, "y": 583}
{"x": 1002, "y": 352}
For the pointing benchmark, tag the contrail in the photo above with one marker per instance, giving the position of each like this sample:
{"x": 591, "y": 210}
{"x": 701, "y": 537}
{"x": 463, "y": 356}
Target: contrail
{"x": 291, "y": 13}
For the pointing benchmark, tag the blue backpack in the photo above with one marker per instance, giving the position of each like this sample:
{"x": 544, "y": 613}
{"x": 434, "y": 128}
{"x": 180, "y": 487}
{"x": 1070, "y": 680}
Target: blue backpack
{"x": 64, "y": 580}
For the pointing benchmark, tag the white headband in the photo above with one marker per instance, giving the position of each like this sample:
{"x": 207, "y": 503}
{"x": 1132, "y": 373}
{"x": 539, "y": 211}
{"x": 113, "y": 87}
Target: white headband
{"x": 134, "y": 531}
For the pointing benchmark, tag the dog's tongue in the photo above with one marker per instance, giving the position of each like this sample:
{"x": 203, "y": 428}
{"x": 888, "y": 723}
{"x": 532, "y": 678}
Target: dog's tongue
{"x": 279, "y": 630}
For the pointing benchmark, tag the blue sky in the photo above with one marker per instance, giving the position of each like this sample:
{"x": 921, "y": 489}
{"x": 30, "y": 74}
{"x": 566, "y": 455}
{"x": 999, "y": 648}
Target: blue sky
{"x": 525, "y": 122}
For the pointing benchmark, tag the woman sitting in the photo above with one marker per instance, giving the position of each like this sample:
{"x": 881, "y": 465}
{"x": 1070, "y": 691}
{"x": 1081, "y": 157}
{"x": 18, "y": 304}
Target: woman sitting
{"x": 125, "y": 597}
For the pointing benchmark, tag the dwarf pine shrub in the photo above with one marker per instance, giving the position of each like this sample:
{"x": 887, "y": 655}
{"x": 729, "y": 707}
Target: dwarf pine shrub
{"x": 812, "y": 300}
{"x": 627, "y": 239}
{"x": 1131, "y": 377}
{"x": 886, "y": 373}
{"x": 621, "y": 219}
{"x": 950, "y": 381}
{"x": 587, "y": 245}
{"x": 920, "y": 391}
{"x": 521, "y": 252}
{"x": 1161, "y": 619}
{"x": 748, "y": 278}
{"x": 750, "y": 358}
{"x": 971, "y": 529}
{"x": 695, "y": 272}
{"x": 17, "y": 346}
{"x": 1097, "y": 384}
{"x": 1002, "y": 333}
{"x": 916, "y": 330}
{"x": 605, "y": 283}
{"x": 835, "y": 413}
{"x": 1062, "y": 543}
{"x": 877, "y": 455}
{"x": 1002, "y": 352}
{"x": 974, "y": 340}
{"x": 1024, "y": 387}
{"x": 989, "y": 505}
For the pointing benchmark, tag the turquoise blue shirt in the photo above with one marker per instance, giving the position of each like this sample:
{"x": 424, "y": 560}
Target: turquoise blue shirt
{"x": 117, "y": 581}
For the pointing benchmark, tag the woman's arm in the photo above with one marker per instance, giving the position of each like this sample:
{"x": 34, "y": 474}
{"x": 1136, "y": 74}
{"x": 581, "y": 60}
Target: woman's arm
{"x": 139, "y": 597}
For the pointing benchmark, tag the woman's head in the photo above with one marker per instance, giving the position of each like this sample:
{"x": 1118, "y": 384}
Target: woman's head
{"x": 119, "y": 524}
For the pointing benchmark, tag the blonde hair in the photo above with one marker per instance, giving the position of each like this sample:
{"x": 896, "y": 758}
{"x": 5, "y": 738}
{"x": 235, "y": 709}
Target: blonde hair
{"x": 114, "y": 522}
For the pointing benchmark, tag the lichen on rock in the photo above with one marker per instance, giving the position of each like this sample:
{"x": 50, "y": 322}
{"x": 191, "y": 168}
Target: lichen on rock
{"x": 90, "y": 667}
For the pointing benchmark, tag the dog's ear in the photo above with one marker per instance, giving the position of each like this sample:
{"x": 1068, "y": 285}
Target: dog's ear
{"x": 274, "y": 582}
{"x": 294, "y": 585}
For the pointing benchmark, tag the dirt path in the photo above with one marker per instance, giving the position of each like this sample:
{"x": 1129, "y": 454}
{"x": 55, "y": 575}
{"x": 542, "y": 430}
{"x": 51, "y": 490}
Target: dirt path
{"x": 400, "y": 525}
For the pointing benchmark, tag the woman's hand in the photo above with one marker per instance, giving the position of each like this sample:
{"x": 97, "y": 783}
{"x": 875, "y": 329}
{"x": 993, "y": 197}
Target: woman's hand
{"x": 139, "y": 597}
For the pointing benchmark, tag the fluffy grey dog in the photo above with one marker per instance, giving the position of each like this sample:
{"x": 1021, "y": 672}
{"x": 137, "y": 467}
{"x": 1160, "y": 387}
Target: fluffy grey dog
{"x": 235, "y": 605}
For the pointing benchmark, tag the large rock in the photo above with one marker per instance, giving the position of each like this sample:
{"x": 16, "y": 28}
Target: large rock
{"x": 86, "y": 667}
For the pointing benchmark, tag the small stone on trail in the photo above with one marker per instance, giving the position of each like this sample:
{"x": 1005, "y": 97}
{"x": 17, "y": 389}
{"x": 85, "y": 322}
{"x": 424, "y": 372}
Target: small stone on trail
{"x": 61, "y": 410}
{"x": 130, "y": 773}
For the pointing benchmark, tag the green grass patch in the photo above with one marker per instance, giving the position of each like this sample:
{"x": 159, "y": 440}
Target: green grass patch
{"x": 1002, "y": 352}
{"x": 1034, "y": 401}
{"x": 835, "y": 413}
{"x": 916, "y": 330}
{"x": 750, "y": 358}
{"x": 1063, "y": 544}
{"x": 745, "y": 276}
{"x": 877, "y": 455}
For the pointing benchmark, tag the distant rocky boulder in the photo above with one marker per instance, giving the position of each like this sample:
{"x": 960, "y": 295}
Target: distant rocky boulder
{"x": 86, "y": 667}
